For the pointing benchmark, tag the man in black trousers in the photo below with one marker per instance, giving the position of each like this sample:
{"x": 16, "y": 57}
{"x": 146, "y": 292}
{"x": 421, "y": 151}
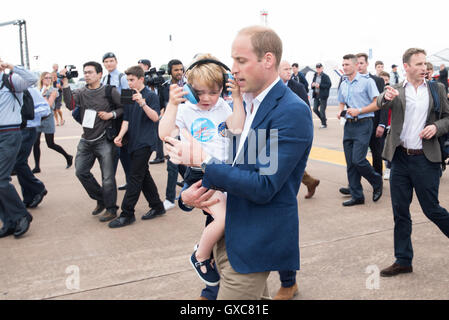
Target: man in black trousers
{"x": 321, "y": 85}
{"x": 139, "y": 122}
{"x": 380, "y": 120}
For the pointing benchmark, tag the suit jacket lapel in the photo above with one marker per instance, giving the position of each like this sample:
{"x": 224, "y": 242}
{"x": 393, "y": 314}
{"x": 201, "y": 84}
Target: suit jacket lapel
{"x": 431, "y": 102}
{"x": 401, "y": 90}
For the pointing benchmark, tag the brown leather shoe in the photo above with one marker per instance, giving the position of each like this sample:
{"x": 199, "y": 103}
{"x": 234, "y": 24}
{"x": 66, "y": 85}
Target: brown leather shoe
{"x": 394, "y": 270}
{"x": 202, "y": 298}
{"x": 108, "y": 216}
{"x": 287, "y": 293}
{"x": 311, "y": 189}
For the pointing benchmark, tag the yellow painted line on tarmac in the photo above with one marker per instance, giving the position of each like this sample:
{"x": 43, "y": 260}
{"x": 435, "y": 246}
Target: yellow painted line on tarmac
{"x": 331, "y": 156}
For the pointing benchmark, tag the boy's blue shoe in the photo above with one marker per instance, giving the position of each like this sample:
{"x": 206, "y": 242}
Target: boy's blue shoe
{"x": 211, "y": 277}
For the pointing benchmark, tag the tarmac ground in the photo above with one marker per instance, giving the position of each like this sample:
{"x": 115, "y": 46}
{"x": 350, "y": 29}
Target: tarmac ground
{"x": 69, "y": 254}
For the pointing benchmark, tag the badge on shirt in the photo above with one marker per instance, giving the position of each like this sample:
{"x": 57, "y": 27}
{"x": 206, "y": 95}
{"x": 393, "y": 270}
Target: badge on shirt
{"x": 89, "y": 119}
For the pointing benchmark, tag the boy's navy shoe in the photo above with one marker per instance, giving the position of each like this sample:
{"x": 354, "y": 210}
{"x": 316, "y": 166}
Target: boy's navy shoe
{"x": 211, "y": 277}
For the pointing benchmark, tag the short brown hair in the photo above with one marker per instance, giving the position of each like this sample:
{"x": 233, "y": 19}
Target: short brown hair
{"x": 378, "y": 63}
{"x": 429, "y": 66}
{"x": 350, "y": 56}
{"x": 264, "y": 40}
{"x": 364, "y": 55}
{"x": 136, "y": 71}
{"x": 384, "y": 74}
{"x": 410, "y": 52}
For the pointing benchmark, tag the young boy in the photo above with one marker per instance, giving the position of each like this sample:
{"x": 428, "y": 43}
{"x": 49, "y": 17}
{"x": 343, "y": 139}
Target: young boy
{"x": 207, "y": 122}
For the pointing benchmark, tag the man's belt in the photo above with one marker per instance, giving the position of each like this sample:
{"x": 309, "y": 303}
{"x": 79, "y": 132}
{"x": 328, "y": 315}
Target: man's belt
{"x": 412, "y": 152}
{"x": 358, "y": 119}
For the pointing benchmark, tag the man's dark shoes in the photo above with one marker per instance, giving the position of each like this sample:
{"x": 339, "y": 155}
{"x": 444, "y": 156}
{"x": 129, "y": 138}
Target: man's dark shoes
{"x": 180, "y": 184}
{"x": 38, "y": 199}
{"x": 36, "y": 170}
{"x": 123, "y": 187}
{"x": 69, "y": 162}
{"x": 156, "y": 161}
{"x": 377, "y": 193}
{"x": 108, "y": 216}
{"x": 121, "y": 222}
{"x": 23, "y": 225}
{"x": 153, "y": 213}
{"x": 394, "y": 270}
{"x": 353, "y": 202}
{"x": 4, "y": 232}
{"x": 345, "y": 191}
{"x": 98, "y": 209}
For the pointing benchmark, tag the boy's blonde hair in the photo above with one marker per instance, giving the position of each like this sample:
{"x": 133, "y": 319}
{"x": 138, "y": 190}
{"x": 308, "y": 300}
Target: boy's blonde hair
{"x": 209, "y": 74}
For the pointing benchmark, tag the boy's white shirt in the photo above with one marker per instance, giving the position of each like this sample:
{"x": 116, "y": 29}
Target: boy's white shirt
{"x": 206, "y": 126}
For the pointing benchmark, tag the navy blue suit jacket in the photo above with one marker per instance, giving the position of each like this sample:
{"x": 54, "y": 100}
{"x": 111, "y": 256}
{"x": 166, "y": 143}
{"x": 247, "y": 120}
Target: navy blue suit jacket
{"x": 262, "y": 227}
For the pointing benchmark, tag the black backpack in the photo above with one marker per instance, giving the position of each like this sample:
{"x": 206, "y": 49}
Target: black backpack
{"x": 27, "y": 110}
{"x": 444, "y": 139}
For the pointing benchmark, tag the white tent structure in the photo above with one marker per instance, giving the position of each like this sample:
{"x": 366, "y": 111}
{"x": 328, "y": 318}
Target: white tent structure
{"x": 439, "y": 58}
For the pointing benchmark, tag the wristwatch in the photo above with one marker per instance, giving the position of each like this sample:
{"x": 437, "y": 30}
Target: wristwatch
{"x": 205, "y": 163}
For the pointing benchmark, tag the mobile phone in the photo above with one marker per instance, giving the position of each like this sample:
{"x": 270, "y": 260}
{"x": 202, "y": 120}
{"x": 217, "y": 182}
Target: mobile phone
{"x": 126, "y": 96}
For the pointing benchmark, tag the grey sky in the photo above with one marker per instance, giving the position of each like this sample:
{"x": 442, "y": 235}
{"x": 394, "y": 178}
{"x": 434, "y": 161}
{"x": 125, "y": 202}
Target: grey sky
{"x": 75, "y": 32}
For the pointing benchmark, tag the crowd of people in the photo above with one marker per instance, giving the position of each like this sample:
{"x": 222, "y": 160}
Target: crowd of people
{"x": 258, "y": 106}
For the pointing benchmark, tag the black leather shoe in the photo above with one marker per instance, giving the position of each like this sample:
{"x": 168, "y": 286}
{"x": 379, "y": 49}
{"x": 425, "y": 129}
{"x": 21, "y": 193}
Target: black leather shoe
{"x": 38, "y": 199}
{"x": 153, "y": 213}
{"x": 345, "y": 191}
{"x": 156, "y": 161}
{"x": 122, "y": 187}
{"x": 4, "y": 232}
{"x": 377, "y": 193}
{"x": 23, "y": 225}
{"x": 180, "y": 184}
{"x": 121, "y": 222}
{"x": 69, "y": 162}
{"x": 36, "y": 170}
{"x": 98, "y": 209}
{"x": 353, "y": 202}
{"x": 394, "y": 270}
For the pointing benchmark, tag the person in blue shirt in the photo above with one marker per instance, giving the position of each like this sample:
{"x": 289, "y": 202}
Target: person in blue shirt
{"x": 16, "y": 219}
{"x": 357, "y": 91}
{"x": 139, "y": 123}
{"x": 117, "y": 79}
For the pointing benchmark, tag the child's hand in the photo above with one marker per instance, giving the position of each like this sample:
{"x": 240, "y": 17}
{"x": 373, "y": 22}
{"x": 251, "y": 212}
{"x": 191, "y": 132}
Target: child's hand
{"x": 234, "y": 88}
{"x": 176, "y": 95}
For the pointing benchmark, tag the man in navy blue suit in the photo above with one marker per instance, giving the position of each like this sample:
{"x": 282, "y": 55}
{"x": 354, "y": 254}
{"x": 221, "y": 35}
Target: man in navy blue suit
{"x": 262, "y": 227}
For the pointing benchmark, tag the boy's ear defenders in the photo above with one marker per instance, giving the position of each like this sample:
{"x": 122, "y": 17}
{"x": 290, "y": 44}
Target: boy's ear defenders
{"x": 191, "y": 95}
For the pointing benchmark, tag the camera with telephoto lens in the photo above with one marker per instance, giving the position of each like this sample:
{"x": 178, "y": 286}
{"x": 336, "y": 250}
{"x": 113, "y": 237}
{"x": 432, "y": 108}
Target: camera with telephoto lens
{"x": 71, "y": 72}
{"x": 154, "y": 78}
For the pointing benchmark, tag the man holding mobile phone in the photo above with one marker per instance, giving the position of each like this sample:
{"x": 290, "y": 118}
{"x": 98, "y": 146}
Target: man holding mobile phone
{"x": 139, "y": 122}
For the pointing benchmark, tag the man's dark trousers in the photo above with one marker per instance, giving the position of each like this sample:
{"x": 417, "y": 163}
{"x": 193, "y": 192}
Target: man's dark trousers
{"x": 140, "y": 180}
{"x": 105, "y": 152}
{"x": 376, "y": 146}
{"x": 160, "y": 145}
{"x": 31, "y": 186}
{"x": 123, "y": 155}
{"x": 319, "y": 107}
{"x": 407, "y": 173}
{"x": 12, "y": 208}
{"x": 356, "y": 139}
{"x": 172, "y": 178}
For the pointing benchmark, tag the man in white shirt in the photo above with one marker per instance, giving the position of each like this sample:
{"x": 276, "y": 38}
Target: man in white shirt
{"x": 414, "y": 151}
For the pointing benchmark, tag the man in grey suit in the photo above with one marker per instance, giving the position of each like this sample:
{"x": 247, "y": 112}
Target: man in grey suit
{"x": 414, "y": 151}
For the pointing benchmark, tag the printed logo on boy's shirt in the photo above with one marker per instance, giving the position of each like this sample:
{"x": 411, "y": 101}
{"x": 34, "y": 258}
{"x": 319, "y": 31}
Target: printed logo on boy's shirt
{"x": 222, "y": 129}
{"x": 203, "y": 129}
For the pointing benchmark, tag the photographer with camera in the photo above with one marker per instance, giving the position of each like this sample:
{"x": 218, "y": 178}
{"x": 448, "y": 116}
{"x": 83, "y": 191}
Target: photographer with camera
{"x": 141, "y": 113}
{"x": 118, "y": 80}
{"x": 175, "y": 69}
{"x": 97, "y": 116}
{"x": 16, "y": 219}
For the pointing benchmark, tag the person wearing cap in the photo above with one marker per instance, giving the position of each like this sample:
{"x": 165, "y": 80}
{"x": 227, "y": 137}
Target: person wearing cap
{"x": 321, "y": 85}
{"x": 118, "y": 80}
{"x": 145, "y": 64}
{"x": 394, "y": 75}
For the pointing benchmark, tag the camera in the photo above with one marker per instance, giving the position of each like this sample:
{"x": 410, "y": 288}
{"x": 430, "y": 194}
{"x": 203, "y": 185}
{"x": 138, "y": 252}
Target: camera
{"x": 154, "y": 78}
{"x": 71, "y": 72}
